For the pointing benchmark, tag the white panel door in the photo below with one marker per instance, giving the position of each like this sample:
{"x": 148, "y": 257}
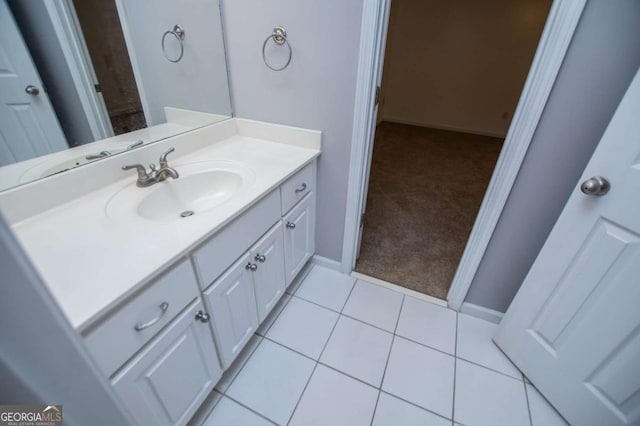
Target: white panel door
{"x": 28, "y": 125}
{"x": 299, "y": 236}
{"x": 574, "y": 326}
{"x": 166, "y": 383}
{"x": 233, "y": 309}
{"x": 268, "y": 278}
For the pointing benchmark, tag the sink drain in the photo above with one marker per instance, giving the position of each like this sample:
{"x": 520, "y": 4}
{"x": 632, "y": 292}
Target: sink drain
{"x": 187, "y": 213}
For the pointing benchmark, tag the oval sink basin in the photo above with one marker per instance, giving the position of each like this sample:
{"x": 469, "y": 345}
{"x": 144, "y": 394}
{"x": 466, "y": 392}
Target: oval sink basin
{"x": 200, "y": 188}
{"x": 189, "y": 195}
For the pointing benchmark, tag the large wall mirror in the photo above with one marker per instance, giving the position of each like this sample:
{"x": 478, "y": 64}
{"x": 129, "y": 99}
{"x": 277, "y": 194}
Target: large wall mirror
{"x": 82, "y": 80}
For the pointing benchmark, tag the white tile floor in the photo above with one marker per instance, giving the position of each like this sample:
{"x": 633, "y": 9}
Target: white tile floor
{"x": 341, "y": 352}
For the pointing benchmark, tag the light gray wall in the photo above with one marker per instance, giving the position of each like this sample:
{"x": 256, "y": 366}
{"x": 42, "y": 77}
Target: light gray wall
{"x": 602, "y": 59}
{"x": 34, "y": 22}
{"x": 316, "y": 91}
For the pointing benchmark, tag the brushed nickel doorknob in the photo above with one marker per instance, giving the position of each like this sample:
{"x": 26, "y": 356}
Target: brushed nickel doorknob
{"x": 596, "y": 186}
{"x": 32, "y": 90}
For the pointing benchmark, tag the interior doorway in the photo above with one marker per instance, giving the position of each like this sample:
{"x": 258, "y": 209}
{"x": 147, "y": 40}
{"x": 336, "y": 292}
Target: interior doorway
{"x": 452, "y": 77}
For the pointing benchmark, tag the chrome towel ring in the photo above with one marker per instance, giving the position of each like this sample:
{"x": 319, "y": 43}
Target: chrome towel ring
{"x": 179, "y": 34}
{"x": 279, "y": 37}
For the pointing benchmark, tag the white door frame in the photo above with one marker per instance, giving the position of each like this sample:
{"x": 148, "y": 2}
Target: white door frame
{"x": 554, "y": 42}
{"x": 69, "y": 32}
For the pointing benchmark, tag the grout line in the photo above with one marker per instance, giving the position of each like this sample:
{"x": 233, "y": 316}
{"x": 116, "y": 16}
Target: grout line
{"x": 489, "y": 368}
{"x": 302, "y": 393}
{"x": 314, "y": 303}
{"x": 349, "y": 296}
{"x": 335, "y": 324}
{"x": 249, "y": 408}
{"x": 395, "y": 328}
{"x": 315, "y": 367}
{"x": 526, "y": 396}
{"x": 384, "y": 372}
{"x": 291, "y": 349}
{"x": 415, "y": 405}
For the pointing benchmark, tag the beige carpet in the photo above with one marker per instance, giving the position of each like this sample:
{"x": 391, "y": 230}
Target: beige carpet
{"x": 425, "y": 190}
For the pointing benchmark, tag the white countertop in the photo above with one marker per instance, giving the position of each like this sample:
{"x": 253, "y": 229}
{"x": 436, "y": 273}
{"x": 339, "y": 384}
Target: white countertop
{"x": 91, "y": 262}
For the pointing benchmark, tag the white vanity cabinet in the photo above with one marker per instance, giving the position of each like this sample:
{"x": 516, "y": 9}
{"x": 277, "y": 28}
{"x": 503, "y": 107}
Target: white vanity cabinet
{"x": 166, "y": 347}
{"x": 168, "y": 380}
{"x": 232, "y": 304}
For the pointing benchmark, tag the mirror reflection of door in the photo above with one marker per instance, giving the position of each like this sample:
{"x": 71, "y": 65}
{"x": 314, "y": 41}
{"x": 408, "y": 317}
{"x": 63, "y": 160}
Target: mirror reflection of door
{"x": 29, "y": 124}
{"x": 84, "y": 65}
{"x": 104, "y": 39}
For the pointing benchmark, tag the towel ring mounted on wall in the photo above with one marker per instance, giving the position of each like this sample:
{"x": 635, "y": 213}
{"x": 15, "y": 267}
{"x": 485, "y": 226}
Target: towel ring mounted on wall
{"x": 179, "y": 34}
{"x": 279, "y": 37}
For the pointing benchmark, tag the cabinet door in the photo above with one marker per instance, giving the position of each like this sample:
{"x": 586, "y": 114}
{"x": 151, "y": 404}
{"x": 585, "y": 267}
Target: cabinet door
{"x": 299, "y": 236}
{"x": 268, "y": 279}
{"x": 233, "y": 309}
{"x": 168, "y": 380}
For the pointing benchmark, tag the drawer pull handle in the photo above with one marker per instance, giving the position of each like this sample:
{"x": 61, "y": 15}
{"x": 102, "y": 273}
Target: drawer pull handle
{"x": 260, "y": 258}
{"x": 291, "y": 225}
{"x": 202, "y": 316}
{"x": 251, "y": 266}
{"x": 302, "y": 188}
{"x": 142, "y": 325}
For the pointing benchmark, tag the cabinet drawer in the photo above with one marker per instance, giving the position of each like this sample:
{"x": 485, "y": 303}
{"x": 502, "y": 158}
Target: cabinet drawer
{"x": 299, "y": 185}
{"x": 117, "y": 338}
{"x": 216, "y": 254}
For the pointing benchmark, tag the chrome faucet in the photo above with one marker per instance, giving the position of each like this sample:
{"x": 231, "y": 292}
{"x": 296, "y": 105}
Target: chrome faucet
{"x": 154, "y": 175}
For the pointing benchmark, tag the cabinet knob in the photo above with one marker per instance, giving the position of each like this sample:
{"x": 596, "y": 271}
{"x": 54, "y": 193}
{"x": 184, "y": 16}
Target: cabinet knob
{"x": 260, "y": 258}
{"x": 291, "y": 225}
{"x": 251, "y": 266}
{"x": 202, "y": 316}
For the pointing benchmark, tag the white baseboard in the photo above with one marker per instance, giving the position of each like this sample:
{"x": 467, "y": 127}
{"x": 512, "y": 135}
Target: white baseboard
{"x": 441, "y": 126}
{"x": 399, "y": 289}
{"x": 326, "y": 262}
{"x": 481, "y": 312}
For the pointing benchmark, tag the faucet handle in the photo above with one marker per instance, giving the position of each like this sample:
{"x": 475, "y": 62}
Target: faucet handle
{"x": 142, "y": 172}
{"x": 163, "y": 158}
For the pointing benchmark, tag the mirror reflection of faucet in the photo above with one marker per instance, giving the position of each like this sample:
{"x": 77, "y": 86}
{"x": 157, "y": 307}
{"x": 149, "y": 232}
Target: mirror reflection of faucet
{"x": 154, "y": 175}
{"x": 101, "y": 154}
{"x": 134, "y": 145}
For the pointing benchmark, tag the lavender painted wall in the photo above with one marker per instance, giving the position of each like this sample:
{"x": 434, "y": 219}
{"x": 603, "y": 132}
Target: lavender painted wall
{"x": 316, "y": 91}
{"x": 601, "y": 61}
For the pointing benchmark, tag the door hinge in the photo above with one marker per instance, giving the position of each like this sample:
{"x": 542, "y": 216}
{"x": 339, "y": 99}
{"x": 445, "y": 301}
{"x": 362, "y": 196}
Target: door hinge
{"x": 377, "y": 98}
{"x": 361, "y": 220}
{"x": 98, "y": 88}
